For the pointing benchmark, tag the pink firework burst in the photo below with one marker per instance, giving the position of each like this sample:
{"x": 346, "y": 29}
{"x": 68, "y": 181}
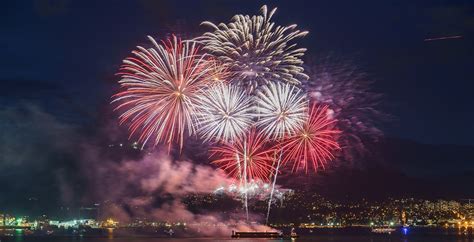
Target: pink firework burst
{"x": 314, "y": 143}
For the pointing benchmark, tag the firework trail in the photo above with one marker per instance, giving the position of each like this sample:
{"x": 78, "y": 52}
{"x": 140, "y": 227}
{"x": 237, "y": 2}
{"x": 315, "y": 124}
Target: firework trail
{"x": 314, "y": 143}
{"x": 224, "y": 113}
{"x": 281, "y": 110}
{"x": 160, "y": 87}
{"x": 347, "y": 92}
{"x": 256, "y": 50}
{"x": 248, "y": 158}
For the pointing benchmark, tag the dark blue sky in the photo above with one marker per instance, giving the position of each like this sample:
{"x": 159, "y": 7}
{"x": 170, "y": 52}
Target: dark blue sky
{"x": 62, "y": 55}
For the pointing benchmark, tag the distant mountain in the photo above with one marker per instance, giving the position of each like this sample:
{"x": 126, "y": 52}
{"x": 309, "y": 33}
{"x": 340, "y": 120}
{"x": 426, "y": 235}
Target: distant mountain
{"x": 397, "y": 168}
{"x": 426, "y": 159}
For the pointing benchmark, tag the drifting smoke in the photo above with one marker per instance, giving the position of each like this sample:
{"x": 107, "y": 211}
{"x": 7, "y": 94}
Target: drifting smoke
{"x": 33, "y": 147}
{"x": 154, "y": 187}
{"x": 86, "y": 170}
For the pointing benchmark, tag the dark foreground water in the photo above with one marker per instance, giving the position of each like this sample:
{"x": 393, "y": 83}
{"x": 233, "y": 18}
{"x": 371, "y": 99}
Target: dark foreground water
{"x": 330, "y": 235}
{"x": 325, "y": 238}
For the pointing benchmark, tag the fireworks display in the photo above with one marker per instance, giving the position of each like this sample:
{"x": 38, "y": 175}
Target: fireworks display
{"x": 256, "y": 50}
{"x": 224, "y": 112}
{"x": 247, "y": 94}
{"x": 314, "y": 143}
{"x": 252, "y": 150}
{"x": 281, "y": 109}
{"x": 160, "y": 90}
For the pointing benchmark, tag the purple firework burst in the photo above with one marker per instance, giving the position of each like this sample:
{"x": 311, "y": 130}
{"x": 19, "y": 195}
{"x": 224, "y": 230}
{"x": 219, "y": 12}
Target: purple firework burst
{"x": 348, "y": 92}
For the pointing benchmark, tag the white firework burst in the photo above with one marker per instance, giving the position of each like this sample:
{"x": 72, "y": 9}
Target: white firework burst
{"x": 281, "y": 109}
{"x": 224, "y": 112}
{"x": 256, "y": 50}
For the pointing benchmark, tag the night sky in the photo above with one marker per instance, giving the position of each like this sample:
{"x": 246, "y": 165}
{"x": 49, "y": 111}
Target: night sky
{"x": 58, "y": 58}
{"x": 73, "y": 49}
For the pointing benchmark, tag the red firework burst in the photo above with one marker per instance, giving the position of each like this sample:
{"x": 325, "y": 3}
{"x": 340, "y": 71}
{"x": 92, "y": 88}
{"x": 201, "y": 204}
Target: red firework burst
{"x": 259, "y": 157}
{"x": 161, "y": 85}
{"x": 314, "y": 143}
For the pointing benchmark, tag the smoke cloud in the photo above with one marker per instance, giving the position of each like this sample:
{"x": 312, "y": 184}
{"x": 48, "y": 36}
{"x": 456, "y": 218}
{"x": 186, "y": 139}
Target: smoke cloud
{"x": 153, "y": 187}
{"x": 74, "y": 168}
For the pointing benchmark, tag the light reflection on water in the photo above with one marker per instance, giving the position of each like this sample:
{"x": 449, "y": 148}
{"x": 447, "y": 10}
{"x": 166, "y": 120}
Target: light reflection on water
{"x": 325, "y": 238}
{"x": 410, "y": 235}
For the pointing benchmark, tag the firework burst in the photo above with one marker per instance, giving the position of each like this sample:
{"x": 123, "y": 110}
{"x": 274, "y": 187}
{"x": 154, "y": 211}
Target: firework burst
{"x": 253, "y": 150}
{"x": 314, "y": 143}
{"x": 346, "y": 90}
{"x": 160, "y": 86}
{"x": 281, "y": 109}
{"x": 224, "y": 112}
{"x": 256, "y": 50}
